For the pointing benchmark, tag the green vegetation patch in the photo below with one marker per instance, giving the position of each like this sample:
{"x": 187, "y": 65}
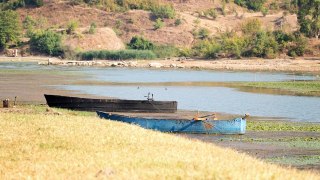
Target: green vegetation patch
{"x": 300, "y": 87}
{"x": 282, "y": 126}
{"x": 117, "y": 55}
{"x": 292, "y": 142}
{"x": 295, "y": 160}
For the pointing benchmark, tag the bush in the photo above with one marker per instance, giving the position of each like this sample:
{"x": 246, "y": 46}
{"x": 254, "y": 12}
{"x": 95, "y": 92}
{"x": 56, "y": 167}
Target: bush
{"x": 36, "y": 3}
{"x": 207, "y": 49}
{"x": 282, "y": 39}
{"x": 212, "y": 13}
{"x": 117, "y": 55}
{"x": 13, "y": 5}
{"x": 140, "y": 43}
{"x": 255, "y": 5}
{"x": 234, "y": 45}
{"x": 92, "y": 28}
{"x": 251, "y": 27}
{"x": 203, "y": 33}
{"x": 163, "y": 51}
{"x": 263, "y": 45}
{"x": 177, "y": 22}
{"x": 158, "y": 24}
{"x": 72, "y": 26}
{"x": 47, "y": 42}
{"x": 264, "y": 11}
{"x": 163, "y": 11}
{"x": 298, "y": 46}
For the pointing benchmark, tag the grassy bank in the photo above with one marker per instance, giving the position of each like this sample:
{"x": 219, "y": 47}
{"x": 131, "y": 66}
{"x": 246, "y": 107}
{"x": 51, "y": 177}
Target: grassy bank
{"x": 36, "y": 143}
{"x": 307, "y": 88}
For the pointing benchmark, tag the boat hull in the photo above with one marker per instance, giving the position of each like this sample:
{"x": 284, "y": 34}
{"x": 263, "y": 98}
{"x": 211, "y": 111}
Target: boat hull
{"x": 110, "y": 105}
{"x": 234, "y": 126}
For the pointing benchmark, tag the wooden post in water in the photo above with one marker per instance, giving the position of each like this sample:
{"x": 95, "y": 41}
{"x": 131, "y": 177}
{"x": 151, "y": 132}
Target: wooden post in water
{"x": 6, "y": 103}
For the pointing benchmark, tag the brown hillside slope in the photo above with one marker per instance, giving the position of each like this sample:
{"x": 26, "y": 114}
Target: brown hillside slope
{"x": 139, "y": 22}
{"x": 104, "y": 38}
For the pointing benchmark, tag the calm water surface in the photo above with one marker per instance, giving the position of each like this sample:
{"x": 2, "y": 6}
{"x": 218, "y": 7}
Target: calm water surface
{"x": 216, "y": 99}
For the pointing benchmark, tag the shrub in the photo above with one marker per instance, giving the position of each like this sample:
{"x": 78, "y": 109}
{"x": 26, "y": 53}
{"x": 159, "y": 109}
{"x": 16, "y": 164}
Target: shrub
{"x": 36, "y": 3}
{"x": 47, "y": 42}
{"x": 282, "y": 39}
{"x": 263, "y": 45}
{"x": 255, "y": 5}
{"x": 163, "y": 51}
{"x": 140, "y": 43}
{"x": 13, "y": 5}
{"x": 234, "y": 45}
{"x": 212, "y": 13}
{"x": 298, "y": 46}
{"x": 207, "y": 49}
{"x": 264, "y": 11}
{"x": 251, "y": 27}
{"x": 203, "y": 33}
{"x": 118, "y": 55}
{"x": 177, "y": 22}
{"x": 164, "y": 11}
{"x": 158, "y": 24}
{"x": 92, "y": 28}
{"x": 185, "y": 52}
{"x": 274, "y": 6}
{"x": 72, "y": 26}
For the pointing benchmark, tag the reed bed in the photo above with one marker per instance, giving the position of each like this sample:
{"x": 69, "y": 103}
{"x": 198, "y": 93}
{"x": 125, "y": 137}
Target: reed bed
{"x": 44, "y": 145}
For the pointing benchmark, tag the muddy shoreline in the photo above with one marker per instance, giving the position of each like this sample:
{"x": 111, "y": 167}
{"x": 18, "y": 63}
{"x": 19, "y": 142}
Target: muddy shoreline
{"x": 299, "y": 65}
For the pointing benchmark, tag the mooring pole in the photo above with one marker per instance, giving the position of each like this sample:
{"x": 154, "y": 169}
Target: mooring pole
{"x": 6, "y": 103}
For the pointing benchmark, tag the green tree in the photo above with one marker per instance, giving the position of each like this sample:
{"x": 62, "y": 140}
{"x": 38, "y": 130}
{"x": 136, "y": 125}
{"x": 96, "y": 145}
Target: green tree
{"x": 309, "y": 17}
{"x": 47, "y": 42}
{"x": 9, "y": 28}
{"x": 264, "y": 45}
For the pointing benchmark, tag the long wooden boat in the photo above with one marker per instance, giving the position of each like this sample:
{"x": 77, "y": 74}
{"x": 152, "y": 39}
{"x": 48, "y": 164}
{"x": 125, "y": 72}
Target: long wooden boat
{"x": 110, "y": 105}
{"x": 233, "y": 126}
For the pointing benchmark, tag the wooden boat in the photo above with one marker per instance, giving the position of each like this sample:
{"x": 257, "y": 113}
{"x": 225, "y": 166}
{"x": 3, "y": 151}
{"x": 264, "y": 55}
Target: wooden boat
{"x": 233, "y": 126}
{"x": 111, "y": 105}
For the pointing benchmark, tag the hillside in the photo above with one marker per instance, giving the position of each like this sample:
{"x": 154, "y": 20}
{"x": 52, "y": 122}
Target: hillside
{"x": 138, "y": 22}
{"x": 117, "y": 23}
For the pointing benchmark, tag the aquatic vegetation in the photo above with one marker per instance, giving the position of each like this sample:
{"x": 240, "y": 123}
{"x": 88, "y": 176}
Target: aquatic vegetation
{"x": 295, "y": 160}
{"x": 298, "y": 87}
{"x": 282, "y": 126}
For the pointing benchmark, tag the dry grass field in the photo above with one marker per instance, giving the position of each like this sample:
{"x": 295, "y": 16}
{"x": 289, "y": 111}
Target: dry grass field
{"x": 40, "y": 144}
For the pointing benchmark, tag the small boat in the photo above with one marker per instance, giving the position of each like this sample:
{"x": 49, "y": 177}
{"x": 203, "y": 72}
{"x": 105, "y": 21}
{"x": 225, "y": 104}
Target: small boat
{"x": 111, "y": 105}
{"x": 204, "y": 126}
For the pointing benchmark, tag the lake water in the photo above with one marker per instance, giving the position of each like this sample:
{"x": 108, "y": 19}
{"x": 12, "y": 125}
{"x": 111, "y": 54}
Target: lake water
{"x": 203, "y": 98}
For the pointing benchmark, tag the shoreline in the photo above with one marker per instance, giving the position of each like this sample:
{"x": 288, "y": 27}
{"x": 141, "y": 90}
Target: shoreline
{"x": 301, "y": 65}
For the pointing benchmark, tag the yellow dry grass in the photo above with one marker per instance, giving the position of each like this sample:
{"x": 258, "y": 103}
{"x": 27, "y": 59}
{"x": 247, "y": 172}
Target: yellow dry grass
{"x": 47, "y": 146}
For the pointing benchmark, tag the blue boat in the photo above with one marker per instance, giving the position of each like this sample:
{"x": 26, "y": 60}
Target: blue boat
{"x": 234, "y": 126}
